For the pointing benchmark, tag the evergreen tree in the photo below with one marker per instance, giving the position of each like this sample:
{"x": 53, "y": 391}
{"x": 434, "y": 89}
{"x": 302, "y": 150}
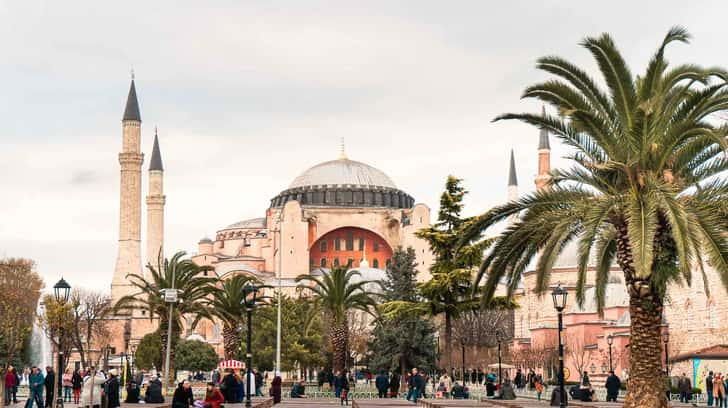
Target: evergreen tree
{"x": 404, "y": 341}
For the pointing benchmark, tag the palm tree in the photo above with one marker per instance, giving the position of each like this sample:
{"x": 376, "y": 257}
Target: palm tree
{"x": 226, "y": 304}
{"x": 182, "y": 274}
{"x": 335, "y": 293}
{"x": 642, "y": 190}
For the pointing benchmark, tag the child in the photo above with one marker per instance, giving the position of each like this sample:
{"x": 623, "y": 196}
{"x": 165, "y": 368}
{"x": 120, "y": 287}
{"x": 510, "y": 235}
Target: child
{"x": 539, "y": 387}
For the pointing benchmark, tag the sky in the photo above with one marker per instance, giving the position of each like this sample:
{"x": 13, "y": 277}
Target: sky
{"x": 248, "y": 94}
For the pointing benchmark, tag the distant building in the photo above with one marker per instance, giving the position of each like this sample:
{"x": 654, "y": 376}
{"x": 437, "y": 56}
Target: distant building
{"x": 336, "y": 213}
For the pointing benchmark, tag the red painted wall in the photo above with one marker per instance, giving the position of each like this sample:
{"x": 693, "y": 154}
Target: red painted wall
{"x": 371, "y": 240}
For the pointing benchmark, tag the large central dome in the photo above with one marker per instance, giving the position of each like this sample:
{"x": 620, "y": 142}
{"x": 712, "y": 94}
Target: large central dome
{"x": 344, "y": 183}
{"x": 343, "y": 172}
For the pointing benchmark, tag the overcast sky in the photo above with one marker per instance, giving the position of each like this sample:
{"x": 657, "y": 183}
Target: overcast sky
{"x": 247, "y": 95}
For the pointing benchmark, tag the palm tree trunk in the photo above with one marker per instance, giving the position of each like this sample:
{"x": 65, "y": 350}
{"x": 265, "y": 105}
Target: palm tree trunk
{"x": 647, "y": 382}
{"x": 339, "y": 337}
{"x": 231, "y": 340}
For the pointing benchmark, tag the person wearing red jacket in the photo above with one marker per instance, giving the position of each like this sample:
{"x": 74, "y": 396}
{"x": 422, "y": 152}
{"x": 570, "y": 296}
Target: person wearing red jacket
{"x": 213, "y": 396}
{"x": 9, "y": 384}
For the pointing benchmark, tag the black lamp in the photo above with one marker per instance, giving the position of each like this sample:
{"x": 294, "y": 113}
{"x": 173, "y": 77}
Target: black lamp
{"x": 62, "y": 290}
{"x": 559, "y": 296}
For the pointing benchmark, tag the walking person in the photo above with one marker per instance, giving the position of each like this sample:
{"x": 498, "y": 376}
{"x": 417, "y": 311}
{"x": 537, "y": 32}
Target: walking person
{"x": 394, "y": 386}
{"x": 14, "y": 390}
{"x": 111, "y": 388}
{"x": 67, "y": 385}
{"x": 229, "y": 386}
{"x": 275, "y": 390}
{"x": 709, "y": 388}
{"x": 718, "y": 390}
{"x": 538, "y": 385}
{"x": 76, "y": 384}
{"x": 612, "y": 385}
{"x": 91, "y": 394}
{"x": 382, "y": 384}
{"x": 684, "y": 388}
{"x": 339, "y": 382}
{"x": 416, "y": 385}
{"x": 9, "y": 384}
{"x": 50, "y": 383}
{"x": 344, "y": 396}
{"x": 35, "y": 384}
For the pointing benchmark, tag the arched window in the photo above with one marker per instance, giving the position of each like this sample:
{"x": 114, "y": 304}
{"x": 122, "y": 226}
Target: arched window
{"x": 350, "y": 262}
{"x": 324, "y": 246}
{"x": 375, "y": 263}
{"x": 388, "y": 263}
{"x": 361, "y": 244}
{"x": 376, "y": 247}
{"x": 337, "y": 244}
{"x": 323, "y": 262}
{"x": 336, "y": 262}
{"x": 349, "y": 241}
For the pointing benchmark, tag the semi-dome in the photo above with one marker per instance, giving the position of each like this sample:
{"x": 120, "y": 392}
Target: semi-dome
{"x": 343, "y": 172}
{"x": 344, "y": 183}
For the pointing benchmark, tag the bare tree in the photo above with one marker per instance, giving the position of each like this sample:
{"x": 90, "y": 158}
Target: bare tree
{"x": 89, "y": 311}
{"x": 478, "y": 327}
{"x": 576, "y": 349}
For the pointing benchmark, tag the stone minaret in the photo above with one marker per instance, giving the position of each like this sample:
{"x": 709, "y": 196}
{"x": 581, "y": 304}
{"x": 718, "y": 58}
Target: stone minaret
{"x": 155, "y": 208}
{"x": 544, "y": 157}
{"x": 129, "y": 259}
{"x": 512, "y": 185}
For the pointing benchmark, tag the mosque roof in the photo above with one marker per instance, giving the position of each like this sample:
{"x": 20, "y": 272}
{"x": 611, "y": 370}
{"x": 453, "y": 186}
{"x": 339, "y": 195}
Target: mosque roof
{"x": 615, "y": 295}
{"x": 343, "y": 172}
{"x": 250, "y": 223}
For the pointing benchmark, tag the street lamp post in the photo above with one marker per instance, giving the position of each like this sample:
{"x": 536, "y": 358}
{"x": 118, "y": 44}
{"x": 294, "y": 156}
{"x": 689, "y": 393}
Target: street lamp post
{"x": 610, "y": 340}
{"x": 559, "y": 297}
{"x": 251, "y": 293}
{"x": 666, "y": 340}
{"x": 437, "y": 351}
{"x": 499, "y": 338}
{"x": 61, "y": 290}
{"x": 462, "y": 345}
{"x": 107, "y": 352}
{"x": 170, "y": 298}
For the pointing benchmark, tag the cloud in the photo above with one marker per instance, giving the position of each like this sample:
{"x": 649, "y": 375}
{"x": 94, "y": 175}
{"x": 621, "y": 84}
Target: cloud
{"x": 249, "y": 94}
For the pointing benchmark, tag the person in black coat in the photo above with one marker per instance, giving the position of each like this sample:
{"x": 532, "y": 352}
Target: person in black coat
{"x": 111, "y": 387}
{"x": 382, "y": 383}
{"x": 50, "y": 384}
{"x": 229, "y": 386}
{"x": 612, "y": 387}
{"x": 183, "y": 397}
{"x": 154, "y": 392}
{"x": 394, "y": 386}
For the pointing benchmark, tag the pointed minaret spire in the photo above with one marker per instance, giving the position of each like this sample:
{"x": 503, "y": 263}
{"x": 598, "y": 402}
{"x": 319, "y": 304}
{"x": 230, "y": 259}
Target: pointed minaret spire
{"x": 543, "y": 137}
{"x": 512, "y": 179}
{"x": 342, "y": 150}
{"x": 544, "y": 156}
{"x": 132, "y": 105}
{"x": 156, "y": 161}
{"x": 512, "y": 186}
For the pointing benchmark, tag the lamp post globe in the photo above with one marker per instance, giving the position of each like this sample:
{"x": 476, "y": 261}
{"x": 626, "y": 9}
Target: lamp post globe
{"x": 610, "y": 341}
{"x": 61, "y": 291}
{"x": 559, "y": 295}
{"x": 250, "y": 293}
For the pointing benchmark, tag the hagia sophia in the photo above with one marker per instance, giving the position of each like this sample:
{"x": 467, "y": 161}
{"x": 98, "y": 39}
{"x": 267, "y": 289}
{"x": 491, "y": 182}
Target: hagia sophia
{"x": 345, "y": 212}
